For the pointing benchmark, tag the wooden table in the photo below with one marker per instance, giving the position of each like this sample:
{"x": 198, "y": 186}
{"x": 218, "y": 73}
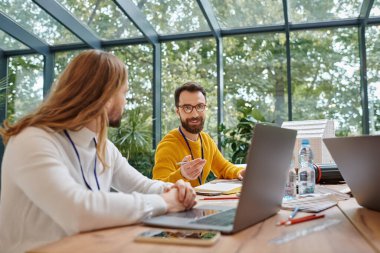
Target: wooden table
{"x": 357, "y": 230}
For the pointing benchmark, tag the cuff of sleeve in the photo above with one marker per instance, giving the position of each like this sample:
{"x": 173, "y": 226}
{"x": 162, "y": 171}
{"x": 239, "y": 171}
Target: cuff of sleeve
{"x": 157, "y": 203}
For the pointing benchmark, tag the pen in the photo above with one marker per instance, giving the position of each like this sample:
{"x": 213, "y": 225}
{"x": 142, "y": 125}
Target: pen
{"x": 291, "y": 216}
{"x": 220, "y": 198}
{"x": 294, "y": 213}
{"x": 303, "y": 219}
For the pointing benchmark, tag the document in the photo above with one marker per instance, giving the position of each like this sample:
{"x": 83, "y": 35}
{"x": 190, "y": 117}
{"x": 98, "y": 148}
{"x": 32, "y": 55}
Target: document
{"x": 322, "y": 199}
{"x": 222, "y": 186}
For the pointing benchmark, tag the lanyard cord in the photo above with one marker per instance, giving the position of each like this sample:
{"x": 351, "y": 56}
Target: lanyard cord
{"x": 191, "y": 153}
{"x": 80, "y": 163}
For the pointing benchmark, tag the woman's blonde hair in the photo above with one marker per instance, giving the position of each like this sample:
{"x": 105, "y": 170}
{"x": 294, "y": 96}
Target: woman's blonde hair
{"x": 77, "y": 98}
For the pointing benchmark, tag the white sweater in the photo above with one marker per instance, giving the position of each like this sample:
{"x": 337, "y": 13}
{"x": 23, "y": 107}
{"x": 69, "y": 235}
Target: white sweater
{"x": 44, "y": 197}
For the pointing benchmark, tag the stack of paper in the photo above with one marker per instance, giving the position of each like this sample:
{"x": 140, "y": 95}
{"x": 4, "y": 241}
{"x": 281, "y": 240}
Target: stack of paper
{"x": 221, "y": 186}
{"x": 312, "y": 203}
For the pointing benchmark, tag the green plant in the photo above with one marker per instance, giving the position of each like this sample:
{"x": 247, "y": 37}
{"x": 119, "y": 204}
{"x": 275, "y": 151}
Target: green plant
{"x": 134, "y": 140}
{"x": 236, "y": 140}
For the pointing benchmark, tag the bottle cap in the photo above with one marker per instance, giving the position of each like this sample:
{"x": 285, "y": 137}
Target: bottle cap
{"x": 305, "y": 142}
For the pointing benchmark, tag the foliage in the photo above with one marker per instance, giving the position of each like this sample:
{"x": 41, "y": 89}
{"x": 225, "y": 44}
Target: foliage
{"x": 236, "y": 140}
{"x": 134, "y": 140}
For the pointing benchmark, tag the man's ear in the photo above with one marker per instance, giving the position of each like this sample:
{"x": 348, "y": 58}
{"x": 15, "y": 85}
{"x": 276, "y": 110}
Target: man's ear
{"x": 177, "y": 111}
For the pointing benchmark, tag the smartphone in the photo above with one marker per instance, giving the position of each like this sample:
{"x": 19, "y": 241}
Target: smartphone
{"x": 209, "y": 193}
{"x": 189, "y": 237}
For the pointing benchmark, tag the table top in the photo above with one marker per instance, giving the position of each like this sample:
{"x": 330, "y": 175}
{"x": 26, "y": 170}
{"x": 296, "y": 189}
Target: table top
{"x": 346, "y": 227}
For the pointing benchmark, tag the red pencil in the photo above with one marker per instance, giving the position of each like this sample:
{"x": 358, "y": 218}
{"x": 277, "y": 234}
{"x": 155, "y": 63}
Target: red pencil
{"x": 220, "y": 198}
{"x": 303, "y": 219}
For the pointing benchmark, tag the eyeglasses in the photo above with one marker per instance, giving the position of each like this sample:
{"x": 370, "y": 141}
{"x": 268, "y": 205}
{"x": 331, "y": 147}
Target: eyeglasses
{"x": 189, "y": 108}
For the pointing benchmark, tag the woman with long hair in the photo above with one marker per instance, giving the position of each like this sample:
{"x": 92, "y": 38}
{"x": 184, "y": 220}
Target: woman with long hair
{"x": 58, "y": 165}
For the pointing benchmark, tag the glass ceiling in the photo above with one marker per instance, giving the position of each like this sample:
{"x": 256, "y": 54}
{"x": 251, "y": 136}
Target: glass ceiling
{"x": 172, "y": 18}
{"x": 33, "y": 19}
{"x": 322, "y": 10}
{"x": 248, "y": 13}
{"x": 103, "y": 17}
{"x": 8, "y": 43}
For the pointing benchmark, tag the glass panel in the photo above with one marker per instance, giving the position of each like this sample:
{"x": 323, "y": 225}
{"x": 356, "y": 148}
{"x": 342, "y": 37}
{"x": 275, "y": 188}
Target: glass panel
{"x": 103, "y": 17}
{"x": 33, "y": 19}
{"x": 301, "y": 11}
{"x": 134, "y": 137}
{"x": 247, "y": 13}
{"x": 184, "y": 61}
{"x": 375, "y": 11}
{"x": 9, "y": 43}
{"x": 255, "y": 78}
{"x": 373, "y": 77}
{"x": 25, "y": 85}
{"x": 173, "y": 16}
{"x": 326, "y": 78}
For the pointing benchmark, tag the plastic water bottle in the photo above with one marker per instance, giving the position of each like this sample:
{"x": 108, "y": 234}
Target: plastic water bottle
{"x": 306, "y": 173}
{"x": 291, "y": 183}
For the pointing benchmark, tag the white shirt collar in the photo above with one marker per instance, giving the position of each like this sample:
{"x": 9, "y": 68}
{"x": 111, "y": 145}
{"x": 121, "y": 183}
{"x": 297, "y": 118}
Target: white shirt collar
{"x": 84, "y": 137}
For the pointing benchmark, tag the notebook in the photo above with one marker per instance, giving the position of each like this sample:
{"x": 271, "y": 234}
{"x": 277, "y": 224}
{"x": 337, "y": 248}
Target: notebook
{"x": 222, "y": 186}
{"x": 358, "y": 161}
{"x": 262, "y": 190}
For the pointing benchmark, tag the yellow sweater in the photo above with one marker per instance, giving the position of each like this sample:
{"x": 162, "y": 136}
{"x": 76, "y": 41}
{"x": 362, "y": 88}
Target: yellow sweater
{"x": 173, "y": 149}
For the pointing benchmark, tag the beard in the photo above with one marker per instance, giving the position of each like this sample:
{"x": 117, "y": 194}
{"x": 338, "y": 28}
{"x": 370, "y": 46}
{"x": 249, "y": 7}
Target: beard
{"x": 114, "y": 119}
{"x": 194, "y": 129}
{"x": 114, "y": 122}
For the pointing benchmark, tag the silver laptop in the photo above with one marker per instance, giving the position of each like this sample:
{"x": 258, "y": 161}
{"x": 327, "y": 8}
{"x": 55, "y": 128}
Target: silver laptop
{"x": 358, "y": 161}
{"x": 268, "y": 161}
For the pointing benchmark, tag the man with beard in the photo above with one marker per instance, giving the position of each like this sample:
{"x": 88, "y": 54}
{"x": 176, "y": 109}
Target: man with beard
{"x": 59, "y": 166}
{"x": 187, "y": 152}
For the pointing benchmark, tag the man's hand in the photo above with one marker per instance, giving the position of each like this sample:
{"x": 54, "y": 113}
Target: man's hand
{"x": 241, "y": 174}
{"x": 192, "y": 169}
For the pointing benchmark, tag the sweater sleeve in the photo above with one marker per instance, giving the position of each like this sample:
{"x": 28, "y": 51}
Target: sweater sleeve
{"x": 165, "y": 167}
{"x": 221, "y": 167}
{"x": 128, "y": 179}
{"x": 43, "y": 177}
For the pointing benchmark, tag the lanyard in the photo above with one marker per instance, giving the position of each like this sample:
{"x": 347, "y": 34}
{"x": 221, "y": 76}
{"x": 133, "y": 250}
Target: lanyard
{"x": 80, "y": 163}
{"x": 191, "y": 153}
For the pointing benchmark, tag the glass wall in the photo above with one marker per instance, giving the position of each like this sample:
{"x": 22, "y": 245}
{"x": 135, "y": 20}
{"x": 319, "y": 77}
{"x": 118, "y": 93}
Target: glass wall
{"x": 373, "y": 77}
{"x": 255, "y": 81}
{"x": 326, "y": 78}
{"x": 183, "y": 61}
{"x": 25, "y": 85}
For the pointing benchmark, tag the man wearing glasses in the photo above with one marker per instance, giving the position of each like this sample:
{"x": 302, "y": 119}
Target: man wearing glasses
{"x": 187, "y": 152}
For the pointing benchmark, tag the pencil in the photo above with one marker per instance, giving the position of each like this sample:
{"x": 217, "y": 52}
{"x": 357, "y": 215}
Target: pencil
{"x": 220, "y": 198}
{"x": 181, "y": 163}
{"x": 303, "y": 219}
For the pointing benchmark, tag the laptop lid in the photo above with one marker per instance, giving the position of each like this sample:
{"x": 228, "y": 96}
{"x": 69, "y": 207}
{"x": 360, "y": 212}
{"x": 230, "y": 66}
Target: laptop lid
{"x": 358, "y": 161}
{"x": 268, "y": 162}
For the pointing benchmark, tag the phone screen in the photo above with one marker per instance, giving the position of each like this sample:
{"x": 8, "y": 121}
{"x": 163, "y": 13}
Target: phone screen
{"x": 181, "y": 234}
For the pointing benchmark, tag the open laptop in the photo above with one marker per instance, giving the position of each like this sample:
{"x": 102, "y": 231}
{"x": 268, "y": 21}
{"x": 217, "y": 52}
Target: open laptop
{"x": 358, "y": 161}
{"x": 262, "y": 191}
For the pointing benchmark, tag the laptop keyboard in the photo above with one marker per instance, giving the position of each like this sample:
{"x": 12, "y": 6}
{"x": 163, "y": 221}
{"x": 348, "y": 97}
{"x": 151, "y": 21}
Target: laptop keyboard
{"x": 220, "y": 219}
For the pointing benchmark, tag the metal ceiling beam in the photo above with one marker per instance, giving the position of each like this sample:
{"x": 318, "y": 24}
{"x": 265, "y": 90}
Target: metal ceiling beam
{"x": 200, "y": 35}
{"x": 60, "y": 14}
{"x": 138, "y": 19}
{"x": 209, "y": 14}
{"x": 19, "y": 33}
{"x": 366, "y": 8}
